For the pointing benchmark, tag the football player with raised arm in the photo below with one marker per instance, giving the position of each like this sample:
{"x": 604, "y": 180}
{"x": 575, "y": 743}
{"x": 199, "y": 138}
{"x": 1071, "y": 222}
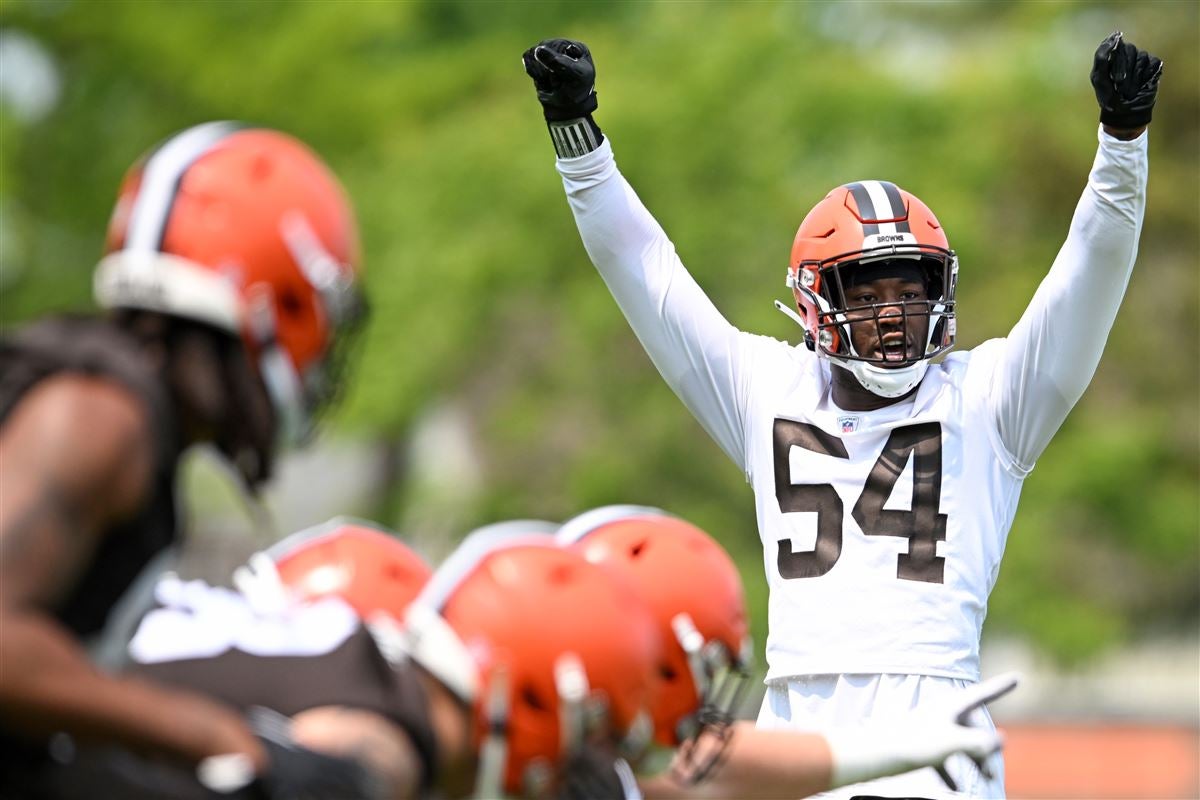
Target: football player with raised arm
{"x": 876, "y": 607}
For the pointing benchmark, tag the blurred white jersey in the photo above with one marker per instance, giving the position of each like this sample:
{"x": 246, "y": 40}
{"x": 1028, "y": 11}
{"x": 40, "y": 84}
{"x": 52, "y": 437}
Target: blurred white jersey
{"x": 194, "y": 620}
{"x": 883, "y": 530}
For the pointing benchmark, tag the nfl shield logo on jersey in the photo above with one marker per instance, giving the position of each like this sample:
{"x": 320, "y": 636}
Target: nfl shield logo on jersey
{"x": 848, "y": 424}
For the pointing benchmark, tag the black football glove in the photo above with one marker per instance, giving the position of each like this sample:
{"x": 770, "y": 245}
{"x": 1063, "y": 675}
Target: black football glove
{"x": 1126, "y": 83}
{"x": 293, "y": 772}
{"x": 297, "y": 773}
{"x": 565, "y": 78}
{"x": 591, "y": 773}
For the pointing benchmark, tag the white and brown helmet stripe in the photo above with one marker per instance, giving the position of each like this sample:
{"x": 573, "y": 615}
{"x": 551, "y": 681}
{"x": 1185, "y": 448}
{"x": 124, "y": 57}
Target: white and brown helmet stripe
{"x": 880, "y": 207}
{"x": 161, "y": 178}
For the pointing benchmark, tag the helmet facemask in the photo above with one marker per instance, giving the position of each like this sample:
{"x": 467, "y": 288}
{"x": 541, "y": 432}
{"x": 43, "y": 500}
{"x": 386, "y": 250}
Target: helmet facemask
{"x": 301, "y": 398}
{"x": 721, "y": 679}
{"x": 825, "y": 285}
{"x": 344, "y": 311}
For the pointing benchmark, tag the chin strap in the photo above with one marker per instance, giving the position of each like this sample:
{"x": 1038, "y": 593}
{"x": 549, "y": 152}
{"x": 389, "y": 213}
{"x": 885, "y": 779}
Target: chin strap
{"x": 493, "y": 752}
{"x": 571, "y": 683}
{"x": 796, "y": 318}
{"x": 885, "y": 382}
{"x": 792, "y": 315}
{"x": 692, "y": 642}
{"x": 279, "y": 376}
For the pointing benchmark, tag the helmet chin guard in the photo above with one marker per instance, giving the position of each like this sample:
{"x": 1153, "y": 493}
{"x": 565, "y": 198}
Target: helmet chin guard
{"x": 885, "y": 382}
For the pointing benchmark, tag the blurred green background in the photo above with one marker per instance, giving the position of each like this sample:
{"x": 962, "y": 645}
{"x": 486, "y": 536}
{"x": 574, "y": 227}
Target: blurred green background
{"x": 497, "y": 378}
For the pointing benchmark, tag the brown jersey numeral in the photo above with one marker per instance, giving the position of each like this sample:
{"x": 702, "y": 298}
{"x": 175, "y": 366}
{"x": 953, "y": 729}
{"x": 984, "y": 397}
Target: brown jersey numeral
{"x": 923, "y": 525}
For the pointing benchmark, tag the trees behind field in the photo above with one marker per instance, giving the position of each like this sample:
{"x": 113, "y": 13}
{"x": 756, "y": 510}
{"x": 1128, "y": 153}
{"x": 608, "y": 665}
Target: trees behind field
{"x": 731, "y": 120}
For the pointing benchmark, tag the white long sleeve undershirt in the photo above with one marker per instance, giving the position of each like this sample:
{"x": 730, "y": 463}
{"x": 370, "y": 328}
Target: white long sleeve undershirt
{"x": 1047, "y": 361}
{"x": 1052, "y": 352}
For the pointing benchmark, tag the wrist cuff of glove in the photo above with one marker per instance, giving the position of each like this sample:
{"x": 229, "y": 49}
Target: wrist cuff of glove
{"x": 1125, "y": 122}
{"x": 861, "y": 754}
{"x": 573, "y": 138}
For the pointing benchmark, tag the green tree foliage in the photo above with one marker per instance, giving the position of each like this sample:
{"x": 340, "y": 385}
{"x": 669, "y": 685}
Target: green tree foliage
{"x": 731, "y": 120}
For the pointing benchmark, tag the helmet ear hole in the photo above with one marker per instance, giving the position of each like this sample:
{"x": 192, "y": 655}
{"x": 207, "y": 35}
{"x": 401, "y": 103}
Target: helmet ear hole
{"x": 638, "y": 548}
{"x": 667, "y": 672}
{"x": 290, "y": 303}
{"x": 530, "y": 697}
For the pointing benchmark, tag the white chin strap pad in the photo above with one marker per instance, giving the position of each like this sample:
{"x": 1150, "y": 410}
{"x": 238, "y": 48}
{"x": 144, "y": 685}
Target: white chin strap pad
{"x": 885, "y": 382}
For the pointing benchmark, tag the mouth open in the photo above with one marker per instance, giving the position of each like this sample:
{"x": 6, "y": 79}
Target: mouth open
{"x": 895, "y": 349}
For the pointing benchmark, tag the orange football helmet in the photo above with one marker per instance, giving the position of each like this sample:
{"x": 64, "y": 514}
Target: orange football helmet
{"x": 695, "y": 593}
{"x": 366, "y": 565}
{"x": 247, "y": 230}
{"x": 548, "y": 649}
{"x": 871, "y": 222}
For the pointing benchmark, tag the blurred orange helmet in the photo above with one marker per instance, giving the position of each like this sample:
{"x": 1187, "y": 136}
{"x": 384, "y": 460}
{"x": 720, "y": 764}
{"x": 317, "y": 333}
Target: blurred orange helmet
{"x": 365, "y": 565}
{"x": 872, "y": 223}
{"x": 247, "y": 230}
{"x": 695, "y": 592}
{"x": 548, "y": 648}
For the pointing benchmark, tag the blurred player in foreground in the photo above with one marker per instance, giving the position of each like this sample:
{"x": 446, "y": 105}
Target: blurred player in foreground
{"x": 230, "y": 281}
{"x": 524, "y": 670}
{"x": 693, "y": 590}
{"x": 291, "y": 649}
{"x": 885, "y": 484}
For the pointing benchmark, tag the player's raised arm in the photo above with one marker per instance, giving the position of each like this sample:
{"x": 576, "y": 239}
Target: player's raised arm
{"x": 1054, "y": 349}
{"x": 701, "y": 356}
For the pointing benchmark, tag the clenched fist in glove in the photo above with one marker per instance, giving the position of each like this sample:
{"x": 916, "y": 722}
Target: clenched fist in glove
{"x": 1126, "y": 83}
{"x": 565, "y": 79}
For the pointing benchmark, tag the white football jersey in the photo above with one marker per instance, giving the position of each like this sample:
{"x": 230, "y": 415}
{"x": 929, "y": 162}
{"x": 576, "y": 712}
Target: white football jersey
{"x": 882, "y": 531}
